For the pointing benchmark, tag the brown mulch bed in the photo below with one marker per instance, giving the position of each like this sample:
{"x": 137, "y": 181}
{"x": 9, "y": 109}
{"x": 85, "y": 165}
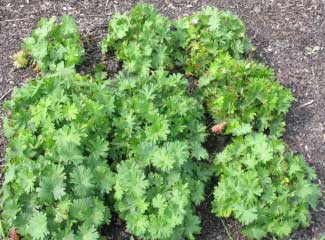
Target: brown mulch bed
{"x": 289, "y": 36}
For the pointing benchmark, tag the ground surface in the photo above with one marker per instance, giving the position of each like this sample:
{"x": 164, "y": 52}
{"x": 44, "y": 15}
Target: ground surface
{"x": 289, "y": 36}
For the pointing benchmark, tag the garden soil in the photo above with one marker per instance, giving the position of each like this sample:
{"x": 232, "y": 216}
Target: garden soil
{"x": 289, "y": 36}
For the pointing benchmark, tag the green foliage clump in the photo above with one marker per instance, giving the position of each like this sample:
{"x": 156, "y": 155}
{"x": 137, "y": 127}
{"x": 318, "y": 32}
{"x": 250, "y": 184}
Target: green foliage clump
{"x": 140, "y": 39}
{"x": 158, "y": 183}
{"x": 52, "y": 43}
{"x": 79, "y": 145}
{"x": 245, "y": 95}
{"x": 158, "y": 131}
{"x": 56, "y": 175}
{"x": 201, "y": 37}
{"x": 267, "y": 190}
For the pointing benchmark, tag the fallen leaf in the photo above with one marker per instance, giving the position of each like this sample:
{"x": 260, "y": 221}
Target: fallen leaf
{"x": 13, "y": 235}
{"x": 36, "y": 69}
{"x": 218, "y": 128}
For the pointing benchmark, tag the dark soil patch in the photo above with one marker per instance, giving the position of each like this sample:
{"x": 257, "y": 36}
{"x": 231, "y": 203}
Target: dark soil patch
{"x": 289, "y": 36}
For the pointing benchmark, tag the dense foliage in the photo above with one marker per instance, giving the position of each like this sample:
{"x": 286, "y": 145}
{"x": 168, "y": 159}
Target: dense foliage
{"x": 244, "y": 95}
{"x": 158, "y": 183}
{"x": 201, "y": 37}
{"x": 140, "y": 39}
{"x": 56, "y": 175}
{"x": 157, "y": 137}
{"x": 266, "y": 189}
{"x": 52, "y": 43}
{"x": 80, "y": 147}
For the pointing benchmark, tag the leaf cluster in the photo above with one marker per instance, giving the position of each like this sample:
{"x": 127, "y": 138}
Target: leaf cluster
{"x": 160, "y": 181}
{"x": 144, "y": 123}
{"x": 140, "y": 39}
{"x": 159, "y": 131}
{"x": 245, "y": 95}
{"x": 52, "y": 43}
{"x": 267, "y": 190}
{"x": 201, "y": 37}
{"x": 245, "y": 101}
{"x": 56, "y": 175}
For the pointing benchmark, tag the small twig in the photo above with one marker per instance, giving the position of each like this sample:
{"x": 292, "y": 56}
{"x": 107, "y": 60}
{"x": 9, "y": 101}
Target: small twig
{"x": 103, "y": 15}
{"x": 16, "y": 20}
{"x": 306, "y": 104}
{"x": 32, "y": 18}
{"x": 276, "y": 44}
{"x": 312, "y": 71}
{"x": 227, "y": 231}
{"x": 106, "y": 6}
{"x": 4, "y": 95}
